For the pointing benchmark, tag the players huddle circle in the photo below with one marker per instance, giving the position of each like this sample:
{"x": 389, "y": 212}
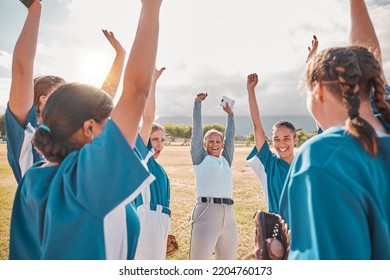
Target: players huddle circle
{"x": 85, "y": 167}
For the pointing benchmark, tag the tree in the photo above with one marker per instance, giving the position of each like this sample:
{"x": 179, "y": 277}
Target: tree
{"x": 178, "y": 131}
{"x": 250, "y": 139}
{"x": 215, "y": 126}
{"x": 2, "y": 126}
{"x": 187, "y": 134}
{"x": 170, "y": 132}
{"x": 303, "y": 136}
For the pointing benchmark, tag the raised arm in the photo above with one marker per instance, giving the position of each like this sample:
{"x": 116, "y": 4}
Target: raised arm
{"x": 139, "y": 72}
{"x": 113, "y": 78}
{"x": 197, "y": 150}
{"x": 150, "y": 109}
{"x": 230, "y": 132}
{"x": 258, "y": 129}
{"x": 21, "y": 97}
{"x": 361, "y": 31}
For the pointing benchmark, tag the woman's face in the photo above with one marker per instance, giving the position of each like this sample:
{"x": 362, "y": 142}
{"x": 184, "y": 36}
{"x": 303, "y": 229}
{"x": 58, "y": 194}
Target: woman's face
{"x": 158, "y": 141}
{"x": 214, "y": 144}
{"x": 283, "y": 140}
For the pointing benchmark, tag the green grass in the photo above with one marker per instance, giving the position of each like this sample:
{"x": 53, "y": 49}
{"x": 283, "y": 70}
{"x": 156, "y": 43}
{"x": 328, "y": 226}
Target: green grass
{"x": 177, "y": 163}
{"x": 7, "y": 192}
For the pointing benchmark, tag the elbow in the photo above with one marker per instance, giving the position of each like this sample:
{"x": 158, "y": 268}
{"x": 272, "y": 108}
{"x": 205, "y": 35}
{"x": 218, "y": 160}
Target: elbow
{"x": 147, "y": 118}
{"x": 20, "y": 68}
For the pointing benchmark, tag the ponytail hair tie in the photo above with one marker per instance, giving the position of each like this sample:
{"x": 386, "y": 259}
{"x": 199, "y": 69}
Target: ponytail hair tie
{"x": 45, "y": 127}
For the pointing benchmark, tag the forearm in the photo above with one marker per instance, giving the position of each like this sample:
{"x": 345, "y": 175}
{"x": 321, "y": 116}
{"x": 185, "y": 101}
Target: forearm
{"x": 148, "y": 115}
{"x": 197, "y": 149}
{"x": 139, "y": 71}
{"x": 113, "y": 78}
{"x": 361, "y": 31}
{"x": 230, "y": 133}
{"x": 258, "y": 129}
{"x": 22, "y": 89}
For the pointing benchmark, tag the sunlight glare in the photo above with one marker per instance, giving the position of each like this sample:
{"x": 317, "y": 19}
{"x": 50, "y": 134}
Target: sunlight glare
{"x": 93, "y": 67}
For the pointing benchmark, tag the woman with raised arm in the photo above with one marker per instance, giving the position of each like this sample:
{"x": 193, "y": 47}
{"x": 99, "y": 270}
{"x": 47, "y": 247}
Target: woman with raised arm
{"x": 74, "y": 205}
{"x": 28, "y": 95}
{"x": 213, "y": 223}
{"x": 362, "y": 33}
{"x": 153, "y": 203}
{"x": 270, "y": 168}
{"x": 339, "y": 181}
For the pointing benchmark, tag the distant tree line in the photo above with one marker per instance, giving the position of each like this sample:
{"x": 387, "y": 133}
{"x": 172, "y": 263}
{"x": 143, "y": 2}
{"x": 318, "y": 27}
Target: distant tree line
{"x": 178, "y": 133}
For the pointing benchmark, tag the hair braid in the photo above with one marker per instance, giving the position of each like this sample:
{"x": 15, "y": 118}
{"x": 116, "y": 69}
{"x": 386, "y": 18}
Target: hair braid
{"x": 371, "y": 81}
{"x": 349, "y": 75}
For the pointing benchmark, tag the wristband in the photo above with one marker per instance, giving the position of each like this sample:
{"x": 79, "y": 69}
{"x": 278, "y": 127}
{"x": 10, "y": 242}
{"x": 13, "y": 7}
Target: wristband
{"x": 27, "y": 3}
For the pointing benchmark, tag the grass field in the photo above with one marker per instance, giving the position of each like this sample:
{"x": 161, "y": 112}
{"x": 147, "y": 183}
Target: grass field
{"x": 177, "y": 163}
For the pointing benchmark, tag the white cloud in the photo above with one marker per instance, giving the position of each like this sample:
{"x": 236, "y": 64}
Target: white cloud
{"x": 205, "y": 45}
{"x": 5, "y": 60}
{"x": 5, "y": 84}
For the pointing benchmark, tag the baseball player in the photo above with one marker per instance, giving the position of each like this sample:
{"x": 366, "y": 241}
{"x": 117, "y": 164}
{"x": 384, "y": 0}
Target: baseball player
{"x": 213, "y": 223}
{"x": 153, "y": 203}
{"x": 270, "y": 168}
{"x": 76, "y": 205}
{"x": 339, "y": 181}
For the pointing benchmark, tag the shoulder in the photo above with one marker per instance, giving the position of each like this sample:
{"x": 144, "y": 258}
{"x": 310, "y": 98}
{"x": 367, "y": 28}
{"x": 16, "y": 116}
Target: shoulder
{"x": 326, "y": 148}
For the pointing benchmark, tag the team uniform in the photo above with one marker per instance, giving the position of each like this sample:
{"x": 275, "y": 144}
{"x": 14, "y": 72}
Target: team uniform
{"x": 271, "y": 171}
{"x": 153, "y": 209}
{"x": 20, "y": 151}
{"x": 213, "y": 223}
{"x": 336, "y": 199}
{"x": 77, "y": 210}
{"x": 377, "y": 114}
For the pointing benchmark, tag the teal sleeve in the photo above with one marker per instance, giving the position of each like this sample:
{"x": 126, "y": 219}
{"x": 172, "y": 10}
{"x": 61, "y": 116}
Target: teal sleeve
{"x": 326, "y": 220}
{"x": 108, "y": 172}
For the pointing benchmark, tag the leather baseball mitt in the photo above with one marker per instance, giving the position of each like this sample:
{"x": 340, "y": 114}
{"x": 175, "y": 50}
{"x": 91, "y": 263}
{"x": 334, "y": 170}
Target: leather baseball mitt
{"x": 272, "y": 237}
{"x": 172, "y": 245}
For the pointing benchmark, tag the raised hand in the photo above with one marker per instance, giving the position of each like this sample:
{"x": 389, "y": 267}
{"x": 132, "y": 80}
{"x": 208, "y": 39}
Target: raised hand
{"x": 111, "y": 83}
{"x": 157, "y": 73}
{"x": 252, "y": 81}
{"x": 201, "y": 96}
{"x": 313, "y": 48}
{"x": 227, "y": 109}
{"x": 113, "y": 41}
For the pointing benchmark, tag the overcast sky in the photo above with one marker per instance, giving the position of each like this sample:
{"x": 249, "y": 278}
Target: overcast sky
{"x": 206, "y": 46}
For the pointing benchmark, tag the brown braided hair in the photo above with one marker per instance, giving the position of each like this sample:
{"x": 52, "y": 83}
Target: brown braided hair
{"x": 371, "y": 80}
{"x": 338, "y": 69}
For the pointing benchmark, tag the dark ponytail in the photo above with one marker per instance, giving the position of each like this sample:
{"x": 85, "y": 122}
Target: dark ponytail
{"x": 65, "y": 112}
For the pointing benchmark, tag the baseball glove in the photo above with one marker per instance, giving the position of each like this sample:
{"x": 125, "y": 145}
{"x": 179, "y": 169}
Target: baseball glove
{"x": 172, "y": 245}
{"x": 272, "y": 237}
